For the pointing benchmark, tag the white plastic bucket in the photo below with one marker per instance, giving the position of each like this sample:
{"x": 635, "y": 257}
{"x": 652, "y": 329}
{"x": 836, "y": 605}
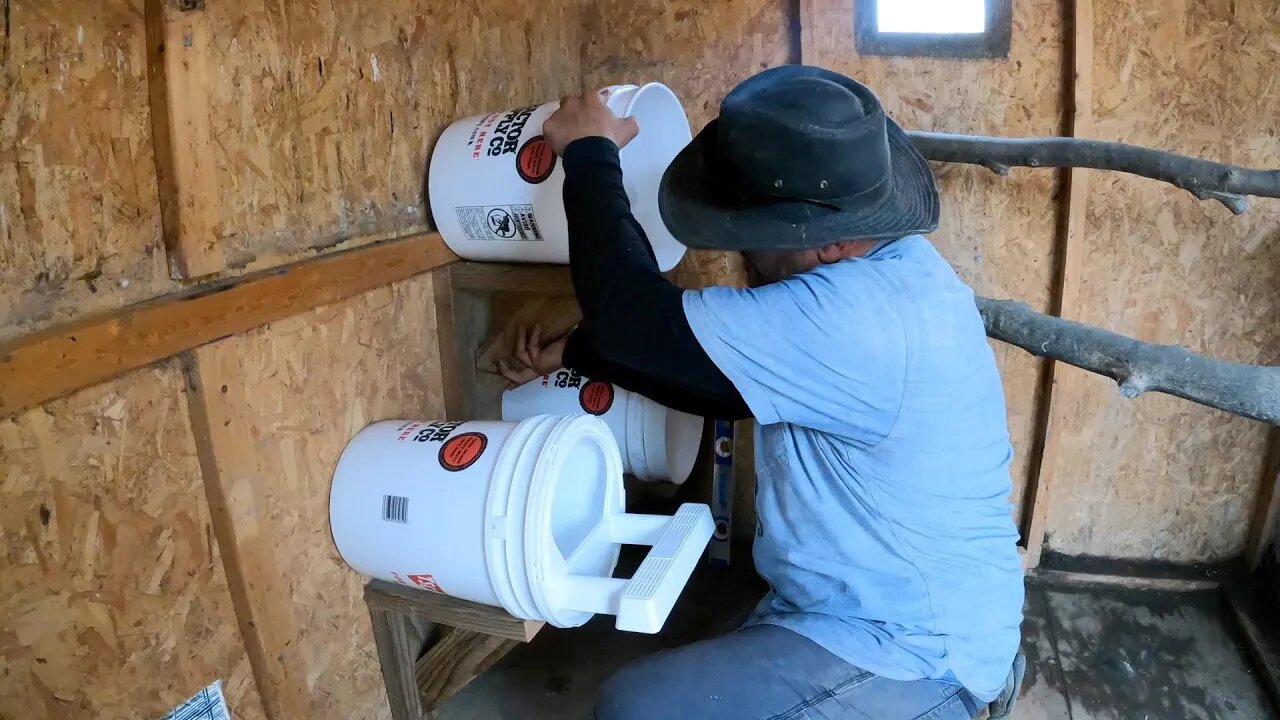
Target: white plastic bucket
{"x": 495, "y": 186}
{"x": 526, "y": 516}
{"x": 657, "y": 443}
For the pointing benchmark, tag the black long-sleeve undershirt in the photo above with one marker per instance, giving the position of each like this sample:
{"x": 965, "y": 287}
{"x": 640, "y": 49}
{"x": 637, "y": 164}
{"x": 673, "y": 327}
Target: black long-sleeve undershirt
{"x": 634, "y": 332}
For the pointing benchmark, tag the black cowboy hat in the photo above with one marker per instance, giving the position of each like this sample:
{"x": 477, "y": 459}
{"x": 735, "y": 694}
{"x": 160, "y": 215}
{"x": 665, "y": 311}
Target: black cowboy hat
{"x": 800, "y": 157}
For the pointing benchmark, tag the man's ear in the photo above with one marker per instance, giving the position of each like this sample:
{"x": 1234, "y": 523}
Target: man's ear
{"x": 842, "y": 250}
{"x": 832, "y": 253}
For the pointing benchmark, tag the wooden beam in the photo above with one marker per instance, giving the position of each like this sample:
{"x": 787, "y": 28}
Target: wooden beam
{"x": 544, "y": 279}
{"x": 450, "y": 611}
{"x": 1061, "y": 385}
{"x": 1064, "y": 578}
{"x": 55, "y": 362}
{"x": 229, "y": 549}
{"x": 178, "y": 46}
{"x": 494, "y": 277}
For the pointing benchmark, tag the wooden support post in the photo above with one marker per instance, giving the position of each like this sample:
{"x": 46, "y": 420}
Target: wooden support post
{"x": 492, "y": 277}
{"x": 472, "y": 324}
{"x": 230, "y": 550}
{"x": 447, "y": 339}
{"x": 1072, "y": 229}
{"x": 473, "y": 638}
{"x": 1262, "y": 526}
{"x": 178, "y": 74}
{"x": 397, "y": 656}
{"x": 457, "y": 659}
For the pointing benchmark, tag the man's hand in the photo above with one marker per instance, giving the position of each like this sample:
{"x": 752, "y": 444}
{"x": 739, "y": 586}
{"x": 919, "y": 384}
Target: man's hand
{"x": 532, "y": 359}
{"x": 583, "y": 116}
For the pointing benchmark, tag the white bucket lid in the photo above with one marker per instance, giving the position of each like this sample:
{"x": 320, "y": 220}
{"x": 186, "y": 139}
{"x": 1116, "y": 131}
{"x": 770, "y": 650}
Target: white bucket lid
{"x": 565, "y": 484}
{"x": 664, "y": 132}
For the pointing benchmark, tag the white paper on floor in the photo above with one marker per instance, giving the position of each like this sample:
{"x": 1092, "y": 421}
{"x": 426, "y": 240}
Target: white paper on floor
{"x": 208, "y": 704}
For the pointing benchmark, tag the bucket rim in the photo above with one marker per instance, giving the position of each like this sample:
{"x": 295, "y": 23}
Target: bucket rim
{"x": 636, "y": 463}
{"x": 540, "y": 550}
{"x": 655, "y": 441}
{"x": 633, "y": 96}
{"x": 676, "y": 467}
{"x": 508, "y": 493}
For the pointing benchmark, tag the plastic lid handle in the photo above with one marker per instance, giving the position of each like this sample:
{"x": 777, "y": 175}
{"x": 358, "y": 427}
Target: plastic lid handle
{"x": 650, "y": 594}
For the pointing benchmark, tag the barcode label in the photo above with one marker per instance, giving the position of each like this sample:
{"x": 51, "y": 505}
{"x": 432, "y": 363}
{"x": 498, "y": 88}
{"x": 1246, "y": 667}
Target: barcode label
{"x": 395, "y": 508}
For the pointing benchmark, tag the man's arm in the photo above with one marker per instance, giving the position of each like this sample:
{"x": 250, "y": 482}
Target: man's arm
{"x": 580, "y": 356}
{"x": 634, "y": 331}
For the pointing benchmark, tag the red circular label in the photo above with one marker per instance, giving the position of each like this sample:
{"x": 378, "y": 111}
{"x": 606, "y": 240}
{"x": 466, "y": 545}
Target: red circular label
{"x": 535, "y": 161}
{"x": 596, "y": 397}
{"x": 462, "y": 451}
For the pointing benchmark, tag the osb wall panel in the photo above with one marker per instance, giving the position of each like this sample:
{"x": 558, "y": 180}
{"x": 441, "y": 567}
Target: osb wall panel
{"x": 79, "y": 226}
{"x": 282, "y": 403}
{"x": 114, "y": 603}
{"x": 325, "y": 113}
{"x": 700, "y": 50}
{"x": 1159, "y": 477}
{"x": 998, "y": 232}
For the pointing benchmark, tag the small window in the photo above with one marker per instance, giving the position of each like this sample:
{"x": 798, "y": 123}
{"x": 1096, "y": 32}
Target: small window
{"x": 934, "y": 28}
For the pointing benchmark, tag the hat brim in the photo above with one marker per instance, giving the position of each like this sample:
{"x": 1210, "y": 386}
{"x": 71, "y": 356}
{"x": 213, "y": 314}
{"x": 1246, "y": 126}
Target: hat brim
{"x": 702, "y": 212}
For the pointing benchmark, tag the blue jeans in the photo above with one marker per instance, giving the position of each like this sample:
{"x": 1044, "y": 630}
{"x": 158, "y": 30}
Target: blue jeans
{"x": 765, "y": 672}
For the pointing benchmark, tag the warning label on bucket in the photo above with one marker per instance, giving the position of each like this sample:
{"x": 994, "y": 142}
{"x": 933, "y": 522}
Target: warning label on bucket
{"x": 499, "y": 222}
{"x": 462, "y": 451}
{"x": 596, "y": 397}
{"x": 535, "y": 161}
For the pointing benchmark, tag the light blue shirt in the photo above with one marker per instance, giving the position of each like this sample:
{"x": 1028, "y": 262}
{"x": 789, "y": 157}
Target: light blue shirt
{"x": 882, "y": 460}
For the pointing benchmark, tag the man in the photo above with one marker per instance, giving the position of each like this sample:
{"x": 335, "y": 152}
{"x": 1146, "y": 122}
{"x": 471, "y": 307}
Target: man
{"x": 882, "y": 444}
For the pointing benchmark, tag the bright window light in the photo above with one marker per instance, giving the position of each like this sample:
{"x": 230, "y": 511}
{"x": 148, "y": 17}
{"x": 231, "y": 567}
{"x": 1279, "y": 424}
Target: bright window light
{"x": 950, "y": 17}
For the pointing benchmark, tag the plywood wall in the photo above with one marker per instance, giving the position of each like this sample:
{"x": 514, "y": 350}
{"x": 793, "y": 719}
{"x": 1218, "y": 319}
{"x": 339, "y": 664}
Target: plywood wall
{"x": 277, "y": 406}
{"x": 79, "y": 222}
{"x": 322, "y": 115}
{"x": 1159, "y": 477}
{"x": 701, "y": 50}
{"x": 161, "y": 534}
{"x": 115, "y": 605}
{"x": 998, "y": 232}
{"x": 317, "y": 121}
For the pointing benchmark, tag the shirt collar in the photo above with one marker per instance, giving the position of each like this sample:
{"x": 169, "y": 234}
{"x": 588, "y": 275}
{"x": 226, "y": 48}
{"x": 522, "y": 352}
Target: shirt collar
{"x": 881, "y": 246}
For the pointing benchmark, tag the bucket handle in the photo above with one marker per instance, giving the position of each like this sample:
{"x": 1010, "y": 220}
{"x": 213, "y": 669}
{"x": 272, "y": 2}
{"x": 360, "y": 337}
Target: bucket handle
{"x": 650, "y": 594}
{"x": 642, "y": 603}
